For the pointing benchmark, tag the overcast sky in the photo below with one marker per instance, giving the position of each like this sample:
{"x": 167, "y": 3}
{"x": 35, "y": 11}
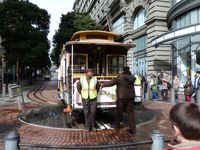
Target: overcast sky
{"x": 55, "y": 8}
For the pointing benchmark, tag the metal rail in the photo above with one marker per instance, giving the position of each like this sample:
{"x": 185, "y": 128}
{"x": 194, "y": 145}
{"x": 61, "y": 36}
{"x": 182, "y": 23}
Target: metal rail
{"x": 88, "y": 147}
{"x": 120, "y": 145}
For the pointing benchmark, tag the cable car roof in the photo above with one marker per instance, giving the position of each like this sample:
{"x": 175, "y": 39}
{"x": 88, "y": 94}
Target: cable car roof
{"x": 109, "y": 47}
{"x": 95, "y": 34}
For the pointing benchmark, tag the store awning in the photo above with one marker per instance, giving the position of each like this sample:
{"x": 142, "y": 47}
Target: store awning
{"x": 168, "y": 38}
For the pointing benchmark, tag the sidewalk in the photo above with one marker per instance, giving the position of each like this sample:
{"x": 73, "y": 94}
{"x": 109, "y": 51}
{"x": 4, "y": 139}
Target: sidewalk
{"x": 9, "y": 112}
{"x": 6, "y": 100}
{"x": 36, "y": 135}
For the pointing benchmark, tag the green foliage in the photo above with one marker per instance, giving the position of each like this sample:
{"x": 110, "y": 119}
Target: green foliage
{"x": 24, "y": 28}
{"x": 84, "y": 22}
{"x": 71, "y": 23}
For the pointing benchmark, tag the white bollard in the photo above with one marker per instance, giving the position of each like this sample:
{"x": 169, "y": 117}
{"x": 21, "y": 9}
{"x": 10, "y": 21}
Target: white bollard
{"x": 173, "y": 98}
{"x": 11, "y": 141}
{"x": 158, "y": 140}
{"x": 4, "y": 90}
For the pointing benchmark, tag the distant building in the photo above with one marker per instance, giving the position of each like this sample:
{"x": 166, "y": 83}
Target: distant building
{"x": 139, "y": 22}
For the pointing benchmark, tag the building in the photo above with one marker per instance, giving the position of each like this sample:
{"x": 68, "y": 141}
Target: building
{"x": 139, "y": 22}
{"x": 183, "y": 21}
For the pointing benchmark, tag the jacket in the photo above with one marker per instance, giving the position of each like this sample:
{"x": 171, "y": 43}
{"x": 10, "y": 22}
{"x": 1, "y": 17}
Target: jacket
{"x": 125, "y": 85}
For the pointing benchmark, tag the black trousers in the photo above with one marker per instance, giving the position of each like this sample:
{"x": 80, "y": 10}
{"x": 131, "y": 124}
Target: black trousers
{"x": 125, "y": 105}
{"x": 89, "y": 109}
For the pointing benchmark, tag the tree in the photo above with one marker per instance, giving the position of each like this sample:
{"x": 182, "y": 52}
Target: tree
{"x": 71, "y": 23}
{"x": 24, "y": 28}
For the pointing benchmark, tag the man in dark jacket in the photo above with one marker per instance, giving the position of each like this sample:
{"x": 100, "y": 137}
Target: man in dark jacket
{"x": 125, "y": 98}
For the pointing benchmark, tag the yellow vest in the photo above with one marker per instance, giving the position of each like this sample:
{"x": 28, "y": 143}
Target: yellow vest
{"x": 88, "y": 91}
{"x": 137, "y": 81}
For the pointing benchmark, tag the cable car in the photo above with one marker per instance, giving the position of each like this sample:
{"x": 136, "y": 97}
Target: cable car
{"x": 91, "y": 49}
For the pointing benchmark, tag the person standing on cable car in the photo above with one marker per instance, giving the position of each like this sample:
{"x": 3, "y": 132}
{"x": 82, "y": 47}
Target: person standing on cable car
{"x": 125, "y": 98}
{"x": 88, "y": 87}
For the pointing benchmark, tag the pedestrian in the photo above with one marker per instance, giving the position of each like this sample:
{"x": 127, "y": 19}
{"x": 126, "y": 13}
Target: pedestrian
{"x": 188, "y": 90}
{"x": 88, "y": 87}
{"x": 196, "y": 86}
{"x": 144, "y": 84}
{"x": 125, "y": 98}
{"x": 185, "y": 123}
{"x": 154, "y": 87}
{"x": 138, "y": 89}
{"x": 164, "y": 88}
{"x": 159, "y": 79}
{"x": 176, "y": 83}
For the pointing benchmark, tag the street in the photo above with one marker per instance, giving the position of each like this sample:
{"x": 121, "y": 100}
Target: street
{"x": 51, "y": 129}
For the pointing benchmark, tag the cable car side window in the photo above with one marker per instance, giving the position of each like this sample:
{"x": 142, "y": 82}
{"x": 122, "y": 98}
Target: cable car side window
{"x": 115, "y": 64}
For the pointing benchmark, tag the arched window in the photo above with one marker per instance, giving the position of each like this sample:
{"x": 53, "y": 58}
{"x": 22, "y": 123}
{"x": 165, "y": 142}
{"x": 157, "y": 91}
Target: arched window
{"x": 139, "y": 19}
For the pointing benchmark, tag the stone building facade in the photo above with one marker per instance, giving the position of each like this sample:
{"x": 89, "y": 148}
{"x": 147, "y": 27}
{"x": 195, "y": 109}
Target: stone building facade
{"x": 139, "y": 22}
{"x": 183, "y": 21}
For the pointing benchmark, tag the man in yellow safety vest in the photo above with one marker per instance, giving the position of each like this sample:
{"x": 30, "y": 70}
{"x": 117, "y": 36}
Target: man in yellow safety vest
{"x": 88, "y": 87}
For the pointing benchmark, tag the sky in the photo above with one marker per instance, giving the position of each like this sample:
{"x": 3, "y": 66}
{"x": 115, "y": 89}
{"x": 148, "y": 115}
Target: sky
{"x": 55, "y": 8}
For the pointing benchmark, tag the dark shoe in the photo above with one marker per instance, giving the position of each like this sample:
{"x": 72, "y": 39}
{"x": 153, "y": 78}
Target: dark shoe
{"x": 131, "y": 132}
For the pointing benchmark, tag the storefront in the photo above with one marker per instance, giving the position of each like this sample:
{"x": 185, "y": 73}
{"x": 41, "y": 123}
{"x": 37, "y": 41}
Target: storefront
{"x": 185, "y": 52}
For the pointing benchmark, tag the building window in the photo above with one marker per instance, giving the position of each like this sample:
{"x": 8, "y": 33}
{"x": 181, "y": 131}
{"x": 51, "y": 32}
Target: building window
{"x": 140, "y": 43}
{"x": 118, "y": 25}
{"x": 194, "y": 16}
{"x": 139, "y": 19}
{"x": 187, "y": 19}
{"x": 139, "y": 64}
{"x": 115, "y": 64}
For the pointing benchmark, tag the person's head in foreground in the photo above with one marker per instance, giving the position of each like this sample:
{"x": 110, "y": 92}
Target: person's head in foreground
{"x": 185, "y": 120}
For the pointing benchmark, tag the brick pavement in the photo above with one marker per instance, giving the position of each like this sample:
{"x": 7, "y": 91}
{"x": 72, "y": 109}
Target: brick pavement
{"x": 30, "y": 135}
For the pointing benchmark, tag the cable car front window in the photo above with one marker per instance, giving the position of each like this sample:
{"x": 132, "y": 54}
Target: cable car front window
{"x": 115, "y": 64}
